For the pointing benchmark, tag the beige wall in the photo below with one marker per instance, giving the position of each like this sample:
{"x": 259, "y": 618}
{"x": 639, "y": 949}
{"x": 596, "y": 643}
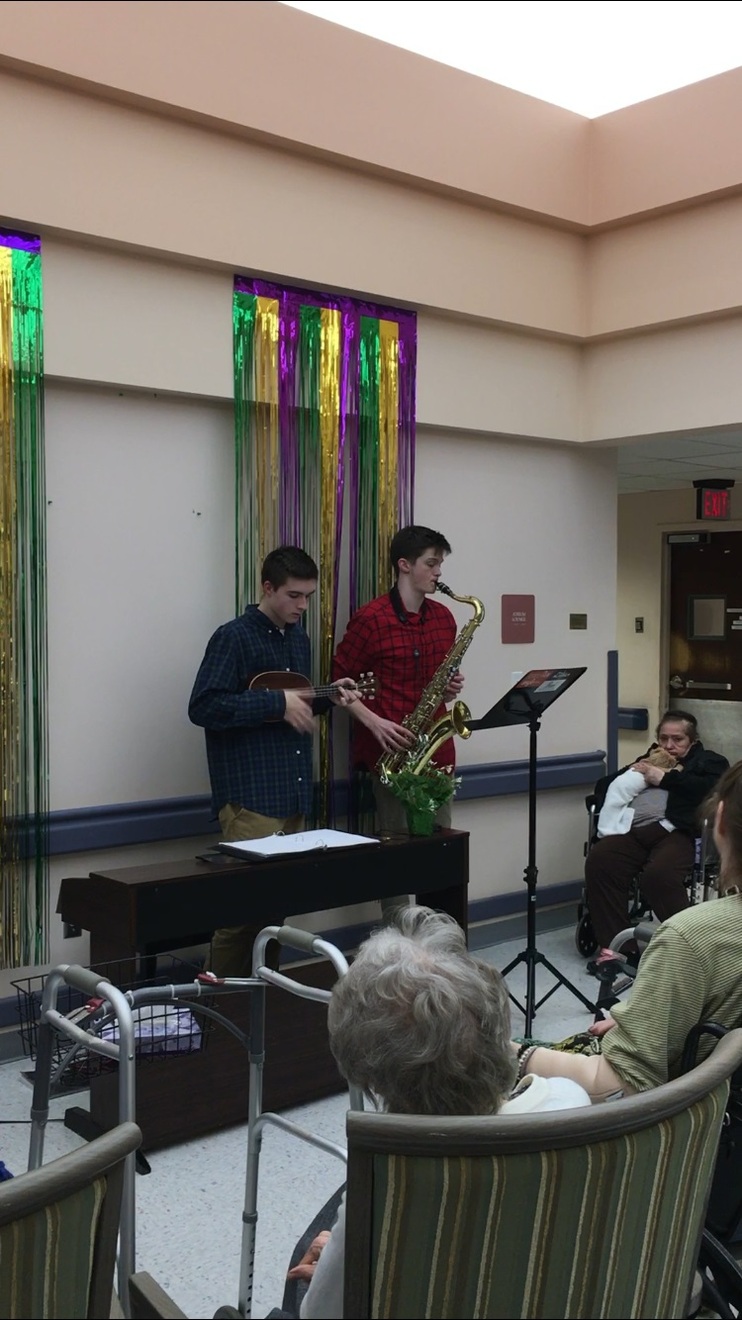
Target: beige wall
{"x": 141, "y": 571}
{"x": 401, "y": 114}
{"x": 667, "y": 151}
{"x": 139, "y": 322}
{"x": 513, "y": 384}
{"x": 140, "y": 491}
{"x": 342, "y": 95}
{"x": 111, "y": 174}
{"x": 120, "y": 176}
{"x": 671, "y": 380}
{"x": 672, "y": 268}
{"x": 527, "y": 519}
{"x": 489, "y": 380}
{"x": 144, "y": 322}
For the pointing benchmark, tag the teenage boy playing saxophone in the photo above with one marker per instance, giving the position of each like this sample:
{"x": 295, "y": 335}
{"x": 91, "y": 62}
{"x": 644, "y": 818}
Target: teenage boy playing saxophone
{"x": 402, "y": 638}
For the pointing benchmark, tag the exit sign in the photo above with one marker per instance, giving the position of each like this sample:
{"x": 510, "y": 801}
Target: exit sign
{"x": 713, "y": 504}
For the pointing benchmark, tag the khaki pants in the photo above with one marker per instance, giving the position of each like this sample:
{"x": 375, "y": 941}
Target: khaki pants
{"x": 391, "y": 818}
{"x": 231, "y": 947}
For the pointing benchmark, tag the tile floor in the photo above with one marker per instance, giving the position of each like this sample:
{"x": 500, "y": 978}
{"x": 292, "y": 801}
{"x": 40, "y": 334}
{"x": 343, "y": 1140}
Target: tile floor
{"x": 189, "y": 1208}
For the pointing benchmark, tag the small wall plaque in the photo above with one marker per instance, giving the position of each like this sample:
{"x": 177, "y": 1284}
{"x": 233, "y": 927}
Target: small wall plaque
{"x": 578, "y": 622}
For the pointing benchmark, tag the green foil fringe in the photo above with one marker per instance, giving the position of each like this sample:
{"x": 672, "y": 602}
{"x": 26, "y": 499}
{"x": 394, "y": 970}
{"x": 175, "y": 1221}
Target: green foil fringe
{"x": 24, "y": 756}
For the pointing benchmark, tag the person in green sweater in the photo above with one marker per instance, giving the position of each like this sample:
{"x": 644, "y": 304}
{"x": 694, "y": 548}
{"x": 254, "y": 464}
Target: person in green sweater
{"x": 689, "y": 973}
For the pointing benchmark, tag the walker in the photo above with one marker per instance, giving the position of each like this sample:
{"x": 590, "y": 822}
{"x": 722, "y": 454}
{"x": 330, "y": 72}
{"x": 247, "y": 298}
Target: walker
{"x": 121, "y": 1025}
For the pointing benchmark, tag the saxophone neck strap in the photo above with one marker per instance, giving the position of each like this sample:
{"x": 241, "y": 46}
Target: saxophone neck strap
{"x": 399, "y": 609}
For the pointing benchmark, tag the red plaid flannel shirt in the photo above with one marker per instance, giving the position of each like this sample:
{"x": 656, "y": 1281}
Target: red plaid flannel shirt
{"x": 403, "y": 651}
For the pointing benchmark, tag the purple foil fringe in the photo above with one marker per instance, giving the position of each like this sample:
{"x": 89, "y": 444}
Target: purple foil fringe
{"x": 347, "y": 424}
{"x": 289, "y": 504}
{"x": 290, "y": 300}
{"x": 21, "y": 242}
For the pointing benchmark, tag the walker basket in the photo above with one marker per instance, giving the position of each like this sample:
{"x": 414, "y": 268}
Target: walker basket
{"x": 160, "y": 1029}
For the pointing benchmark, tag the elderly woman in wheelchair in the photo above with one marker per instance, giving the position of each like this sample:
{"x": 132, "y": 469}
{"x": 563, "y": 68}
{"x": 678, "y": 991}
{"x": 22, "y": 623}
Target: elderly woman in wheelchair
{"x": 647, "y": 819}
{"x": 689, "y": 973}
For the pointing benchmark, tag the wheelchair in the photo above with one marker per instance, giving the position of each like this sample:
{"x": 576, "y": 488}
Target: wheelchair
{"x": 700, "y": 882}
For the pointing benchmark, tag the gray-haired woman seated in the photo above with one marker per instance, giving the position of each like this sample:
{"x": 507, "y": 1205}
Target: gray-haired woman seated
{"x": 423, "y": 1028}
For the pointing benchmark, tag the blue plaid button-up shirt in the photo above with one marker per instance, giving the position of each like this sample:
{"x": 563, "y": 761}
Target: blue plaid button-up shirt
{"x": 256, "y": 760}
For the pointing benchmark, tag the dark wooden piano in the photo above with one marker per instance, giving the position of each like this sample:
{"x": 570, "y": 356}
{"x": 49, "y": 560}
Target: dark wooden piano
{"x": 135, "y": 912}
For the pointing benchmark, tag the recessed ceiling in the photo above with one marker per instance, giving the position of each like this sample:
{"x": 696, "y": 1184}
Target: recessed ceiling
{"x": 675, "y": 462}
{"x": 589, "y": 56}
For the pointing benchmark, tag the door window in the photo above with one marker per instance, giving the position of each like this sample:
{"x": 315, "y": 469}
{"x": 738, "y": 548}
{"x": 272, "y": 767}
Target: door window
{"x": 707, "y": 617}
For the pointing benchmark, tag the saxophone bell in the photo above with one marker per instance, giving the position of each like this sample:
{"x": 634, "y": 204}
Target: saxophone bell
{"x": 460, "y": 718}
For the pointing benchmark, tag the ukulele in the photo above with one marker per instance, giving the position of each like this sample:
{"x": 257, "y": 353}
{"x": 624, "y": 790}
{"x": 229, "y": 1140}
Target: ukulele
{"x": 281, "y": 680}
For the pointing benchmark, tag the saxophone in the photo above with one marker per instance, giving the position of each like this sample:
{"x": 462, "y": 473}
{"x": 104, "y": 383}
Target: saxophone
{"x": 429, "y": 734}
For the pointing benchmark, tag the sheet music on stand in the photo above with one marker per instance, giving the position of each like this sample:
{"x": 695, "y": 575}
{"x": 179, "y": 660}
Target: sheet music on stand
{"x": 292, "y": 845}
{"x": 531, "y": 695}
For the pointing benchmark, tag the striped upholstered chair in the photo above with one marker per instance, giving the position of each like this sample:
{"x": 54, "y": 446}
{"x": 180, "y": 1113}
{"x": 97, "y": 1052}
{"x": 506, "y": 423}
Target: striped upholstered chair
{"x": 584, "y": 1213}
{"x": 58, "y": 1231}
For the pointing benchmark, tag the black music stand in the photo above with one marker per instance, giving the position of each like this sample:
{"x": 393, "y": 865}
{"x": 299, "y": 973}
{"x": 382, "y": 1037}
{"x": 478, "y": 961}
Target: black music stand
{"x": 525, "y": 703}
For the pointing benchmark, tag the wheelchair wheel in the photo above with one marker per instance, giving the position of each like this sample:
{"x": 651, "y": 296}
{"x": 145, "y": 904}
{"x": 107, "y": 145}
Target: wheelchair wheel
{"x": 584, "y": 934}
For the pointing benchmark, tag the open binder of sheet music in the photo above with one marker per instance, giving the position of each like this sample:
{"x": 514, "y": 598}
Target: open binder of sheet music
{"x": 287, "y": 845}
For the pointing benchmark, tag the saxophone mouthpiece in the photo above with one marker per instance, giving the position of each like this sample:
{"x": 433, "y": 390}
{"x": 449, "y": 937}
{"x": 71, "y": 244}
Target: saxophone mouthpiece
{"x": 441, "y": 586}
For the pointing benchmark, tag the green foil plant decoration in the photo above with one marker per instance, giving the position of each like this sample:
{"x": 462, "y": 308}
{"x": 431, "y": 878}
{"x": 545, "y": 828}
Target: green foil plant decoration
{"x": 422, "y": 795}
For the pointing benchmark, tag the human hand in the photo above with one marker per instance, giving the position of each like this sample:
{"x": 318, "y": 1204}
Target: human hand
{"x": 298, "y": 712}
{"x": 453, "y": 687}
{"x": 652, "y": 773}
{"x": 392, "y": 737}
{"x": 600, "y": 1028}
{"x": 344, "y": 692}
{"x": 308, "y": 1263}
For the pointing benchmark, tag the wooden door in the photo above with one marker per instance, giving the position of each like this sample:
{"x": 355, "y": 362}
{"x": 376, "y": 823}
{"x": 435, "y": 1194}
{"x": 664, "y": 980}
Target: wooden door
{"x": 705, "y": 653}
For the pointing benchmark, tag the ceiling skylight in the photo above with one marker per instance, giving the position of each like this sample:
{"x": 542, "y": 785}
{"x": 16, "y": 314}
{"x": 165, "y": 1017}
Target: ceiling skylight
{"x": 587, "y": 57}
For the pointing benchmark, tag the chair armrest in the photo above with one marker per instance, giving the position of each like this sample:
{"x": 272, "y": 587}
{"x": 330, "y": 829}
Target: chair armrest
{"x": 149, "y": 1301}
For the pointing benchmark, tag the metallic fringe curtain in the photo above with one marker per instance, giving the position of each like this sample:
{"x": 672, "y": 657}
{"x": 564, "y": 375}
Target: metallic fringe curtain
{"x": 325, "y": 440}
{"x": 24, "y": 773}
